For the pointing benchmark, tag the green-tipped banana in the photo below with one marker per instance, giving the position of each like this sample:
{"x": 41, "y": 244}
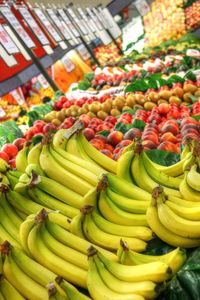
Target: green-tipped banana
{"x": 21, "y": 159}
{"x": 34, "y": 154}
{"x": 124, "y": 165}
{"x": 8, "y": 291}
{"x": 193, "y": 178}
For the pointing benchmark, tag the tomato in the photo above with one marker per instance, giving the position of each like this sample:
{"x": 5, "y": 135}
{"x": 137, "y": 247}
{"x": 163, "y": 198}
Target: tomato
{"x": 10, "y": 149}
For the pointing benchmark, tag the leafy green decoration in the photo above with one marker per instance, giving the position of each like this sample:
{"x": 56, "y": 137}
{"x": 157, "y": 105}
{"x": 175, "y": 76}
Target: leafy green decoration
{"x": 162, "y": 157}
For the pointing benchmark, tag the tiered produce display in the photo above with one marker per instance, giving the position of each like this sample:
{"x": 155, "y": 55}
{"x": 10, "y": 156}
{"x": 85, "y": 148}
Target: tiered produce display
{"x": 100, "y": 196}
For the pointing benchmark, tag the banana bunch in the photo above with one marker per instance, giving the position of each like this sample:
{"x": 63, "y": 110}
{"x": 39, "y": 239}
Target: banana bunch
{"x": 174, "y": 259}
{"x": 107, "y": 216}
{"x": 175, "y": 221}
{"x": 111, "y": 280}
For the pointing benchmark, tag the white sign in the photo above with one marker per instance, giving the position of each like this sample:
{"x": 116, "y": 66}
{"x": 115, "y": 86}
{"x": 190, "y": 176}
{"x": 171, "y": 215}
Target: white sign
{"x": 17, "y": 26}
{"x": 7, "y": 42}
{"x": 43, "y": 81}
{"x": 2, "y": 112}
{"x": 58, "y": 23}
{"x": 33, "y": 25}
{"x": 47, "y": 25}
{"x": 18, "y": 98}
{"x": 69, "y": 66}
{"x": 142, "y": 6}
{"x": 68, "y": 22}
{"x": 111, "y": 24}
{"x": 83, "y": 52}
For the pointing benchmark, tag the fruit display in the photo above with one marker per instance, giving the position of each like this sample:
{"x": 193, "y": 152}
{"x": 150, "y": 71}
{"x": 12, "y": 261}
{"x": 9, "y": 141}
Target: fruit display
{"x": 192, "y": 14}
{"x": 104, "y": 54}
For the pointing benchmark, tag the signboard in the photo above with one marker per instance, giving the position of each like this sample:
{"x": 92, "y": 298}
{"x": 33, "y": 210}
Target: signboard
{"x": 17, "y": 26}
{"x": 33, "y": 25}
{"x": 47, "y": 25}
{"x": 111, "y": 25}
{"x": 69, "y": 66}
{"x": 58, "y": 23}
{"x": 83, "y": 52}
{"x": 68, "y": 22}
{"x": 142, "y": 6}
{"x": 7, "y": 42}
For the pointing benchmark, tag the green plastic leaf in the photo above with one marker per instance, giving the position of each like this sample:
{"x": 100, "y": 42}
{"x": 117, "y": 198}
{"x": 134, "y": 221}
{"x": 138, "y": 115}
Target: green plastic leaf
{"x": 193, "y": 98}
{"x": 191, "y": 76}
{"x": 104, "y": 133}
{"x": 197, "y": 117}
{"x": 84, "y": 85}
{"x": 157, "y": 247}
{"x": 37, "y": 139}
{"x": 123, "y": 127}
{"x": 9, "y": 131}
{"x": 139, "y": 124}
{"x": 89, "y": 76}
{"x": 162, "y": 157}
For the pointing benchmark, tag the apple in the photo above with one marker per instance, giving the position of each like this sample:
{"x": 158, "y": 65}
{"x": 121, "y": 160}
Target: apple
{"x": 115, "y": 137}
{"x": 10, "y": 149}
{"x": 19, "y": 143}
{"x": 12, "y": 163}
{"x": 188, "y": 120}
{"x": 88, "y": 133}
{"x": 101, "y": 138}
{"x": 170, "y": 128}
{"x": 4, "y": 156}
{"x": 132, "y": 134}
{"x": 111, "y": 119}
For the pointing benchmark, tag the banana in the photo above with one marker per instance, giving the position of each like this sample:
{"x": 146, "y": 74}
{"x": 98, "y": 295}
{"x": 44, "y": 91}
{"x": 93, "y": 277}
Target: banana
{"x": 185, "y": 151}
{"x": 99, "y": 290}
{"x": 154, "y": 271}
{"x": 147, "y": 289}
{"x": 101, "y": 159}
{"x": 128, "y": 204}
{"x": 114, "y": 214}
{"x": 91, "y": 197}
{"x": 189, "y": 162}
{"x": 74, "y": 168}
{"x": 176, "y": 224}
{"x": 34, "y": 270}
{"x": 12, "y": 180}
{"x": 159, "y": 176}
{"x": 183, "y": 202}
{"x": 126, "y": 189}
{"x": 24, "y": 231}
{"x": 22, "y": 215}
{"x": 14, "y": 173}
{"x": 187, "y": 192}
{"x": 48, "y": 259}
{"x": 4, "y": 167}
{"x": 54, "y": 293}
{"x": 59, "y": 191}
{"x": 174, "y": 259}
{"x": 67, "y": 253}
{"x": 47, "y": 200}
{"x": 140, "y": 232}
{"x": 71, "y": 292}
{"x": 124, "y": 165}
{"x": 16, "y": 220}
{"x": 193, "y": 178}
{"x": 106, "y": 240}
{"x": 5, "y": 236}
{"x": 34, "y": 154}
{"x": 59, "y": 141}
{"x": 74, "y": 148}
{"x": 22, "y": 282}
{"x": 189, "y": 213}
{"x": 55, "y": 171}
{"x": 1, "y": 296}
{"x": 164, "y": 234}
{"x": 4, "y": 179}
{"x": 21, "y": 159}
{"x": 8, "y": 291}
{"x": 73, "y": 241}
{"x": 76, "y": 226}
{"x": 92, "y": 167}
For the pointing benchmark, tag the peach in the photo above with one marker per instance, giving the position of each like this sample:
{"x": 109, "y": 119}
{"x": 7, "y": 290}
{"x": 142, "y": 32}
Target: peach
{"x": 132, "y": 134}
{"x": 168, "y": 136}
{"x": 149, "y": 144}
{"x": 89, "y": 133}
{"x": 124, "y": 143}
{"x": 115, "y": 137}
{"x": 170, "y": 128}
{"x": 151, "y": 136}
{"x": 109, "y": 147}
{"x": 167, "y": 146}
{"x": 107, "y": 153}
{"x": 97, "y": 144}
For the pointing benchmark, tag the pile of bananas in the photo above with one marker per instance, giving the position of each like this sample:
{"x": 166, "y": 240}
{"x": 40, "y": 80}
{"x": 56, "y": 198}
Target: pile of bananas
{"x": 70, "y": 216}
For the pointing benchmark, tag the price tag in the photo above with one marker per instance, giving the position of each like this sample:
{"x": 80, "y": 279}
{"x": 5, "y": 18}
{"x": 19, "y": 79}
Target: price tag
{"x": 69, "y": 66}
{"x": 193, "y": 53}
{"x": 7, "y": 42}
{"x": 43, "y": 81}
{"x": 2, "y": 112}
{"x": 68, "y": 22}
{"x": 142, "y": 6}
{"x": 58, "y": 23}
{"x": 110, "y": 22}
{"x": 47, "y": 25}
{"x": 18, "y": 98}
{"x": 17, "y": 26}
{"x": 33, "y": 25}
{"x": 83, "y": 52}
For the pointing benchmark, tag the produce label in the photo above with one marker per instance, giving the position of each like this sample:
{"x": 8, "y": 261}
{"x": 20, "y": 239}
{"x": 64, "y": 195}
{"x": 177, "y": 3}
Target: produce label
{"x": 17, "y": 26}
{"x": 58, "y": 23}
{"x": 68, "y": 22}
{"x": 69, "y": 66}
{"x": 142, "y": 6}
{"x": 7, "y": 42}
{"x": 83, "y": 52}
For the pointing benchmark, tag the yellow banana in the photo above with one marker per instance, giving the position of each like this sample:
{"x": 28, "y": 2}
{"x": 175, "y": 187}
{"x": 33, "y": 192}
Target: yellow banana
{"x": 116, "y": 215}
{"x": 193, "y": 178}
{"x": 185, "y": 151}
{"x": 54, "y": 293}
{"x": 4, "y": 167}
{"x": 1, "y": 296}
{"x": 24, "y": 231}
{"x": 147, "y": 289}
{"x": 21, "y": 159}
{"x": 140, "y": 232}
{"x": 10, "y": 211}
{"x": 47, "y": 258}
{"x": 164, "y": 233}
{"x": 106, "y": 240}
{"x": 55, "y": 171}
{"x": 99, "y": 290}
{"x": 101, "y": 159}
{"x": 128, "y": 204}
{"x": 187, "y": 192}
{"x": 74, "y": 148}
{"x": 189, "y": 213}
{"x": 76, "y": 226}
{"x": 5, "y": 236}
{"x": 91, "y": 197}
{"x": 12, "y": 181}
{"x": 124, "y": 165}
{"x": 59, "y": 141}
{"x": 183, "y": 203}
{"x": 34, "y": 154}
{"x": 8, "y": 291}
{"x": 154, "y": 271}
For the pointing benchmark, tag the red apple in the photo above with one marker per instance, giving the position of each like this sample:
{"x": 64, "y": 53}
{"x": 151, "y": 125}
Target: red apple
{"x": 39, "y": 124}
{"x": 98, "y": 144}
{"x": 188, "y": 120}
{"x": 101, "y": 138}
{"x": 115, "y": 137}
{"x": 19, "y": 143}
{"x": 10, "y": 149}
{"x": 111, "y": 119}
{"x": 12, "y": 163}
{"x": 4, "y": 156}
{"x": 88, "y": 133}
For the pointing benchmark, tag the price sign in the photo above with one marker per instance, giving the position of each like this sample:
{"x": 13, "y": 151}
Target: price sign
{"x": 142, "y": 6}
{"x": 18, "y": 98}
{"x": 111, "y": 25}
{"x": 83, "y": 52}
{"x": 43, "y": 81}
{"x": 7, "y": 42}
{"x": 68, "y": 22}
{"x": 69, "y": 66}
{"x": 47, "y": 25}
{"x": 58, "y": 23}
{"x": 17, "y": 26}
{"x": 33, "y": 25}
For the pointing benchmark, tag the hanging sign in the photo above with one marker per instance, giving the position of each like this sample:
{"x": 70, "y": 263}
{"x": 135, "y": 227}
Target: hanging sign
{"x": 43, "y": 81}
{"x": 58, "y": 23}
{"x": 18, "y": 97}
{"x": 83, "y": 52}
{"x": 33, "y": 25}
{"x": 47, "y": 25}
{"x": 68, "y": 22}
{"x": 17, "y": 26}
{"x": 142, "y": 6}
{"x": 111, "y": 25}
{"x": 69, "y": 66}
{"x": 7, "y": 42}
